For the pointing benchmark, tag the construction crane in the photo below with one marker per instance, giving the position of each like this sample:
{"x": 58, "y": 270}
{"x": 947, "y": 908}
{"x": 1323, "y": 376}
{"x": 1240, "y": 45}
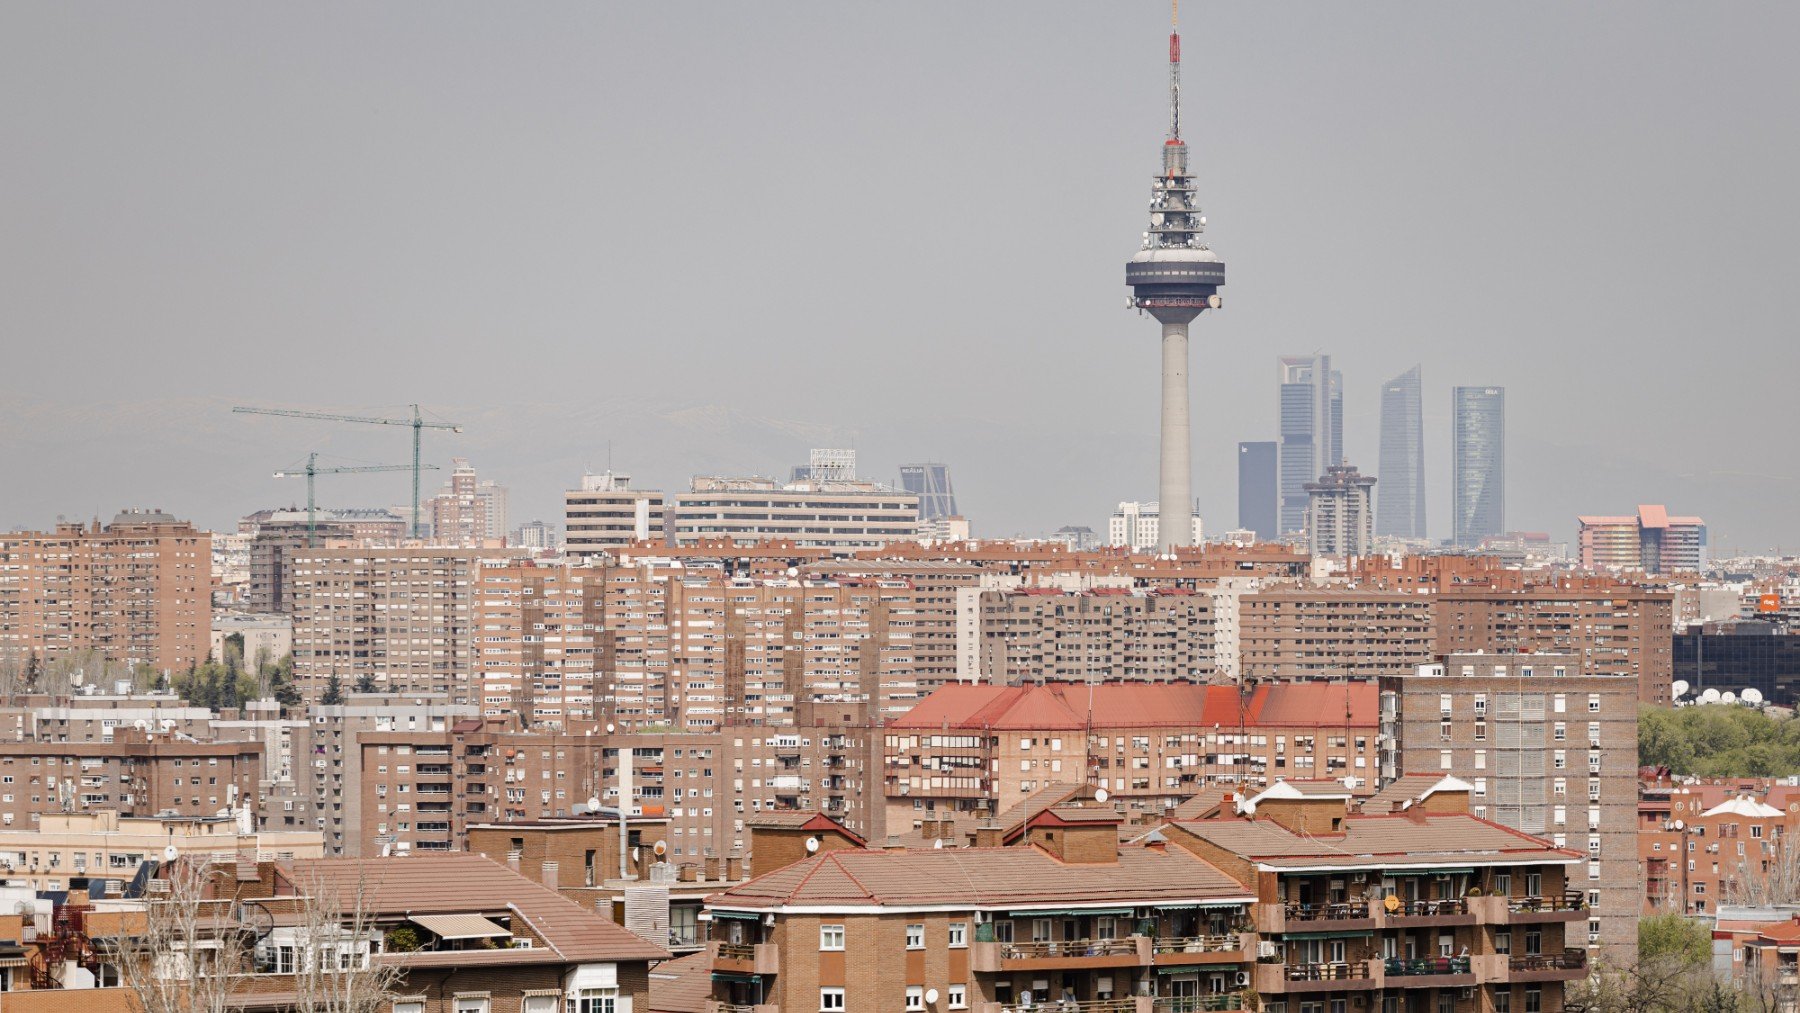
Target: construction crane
{"x": 312, "y": 468}
{"x": 417, "y": 422}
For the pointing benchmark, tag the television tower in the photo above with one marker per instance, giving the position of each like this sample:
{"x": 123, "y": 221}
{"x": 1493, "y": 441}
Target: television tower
{"x": 1174, "y": 277}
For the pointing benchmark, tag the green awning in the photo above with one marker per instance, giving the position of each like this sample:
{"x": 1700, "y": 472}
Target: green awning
{"x": 1176, "y": 907}
{"x": 1429, "y": 872}
{"x": 730, "y": 978}
{"x": 749, "y": 916}
{"x": 1073, "y": 912}
{"x": 1291, "y": 936}
{"x": 1189, "y": 969}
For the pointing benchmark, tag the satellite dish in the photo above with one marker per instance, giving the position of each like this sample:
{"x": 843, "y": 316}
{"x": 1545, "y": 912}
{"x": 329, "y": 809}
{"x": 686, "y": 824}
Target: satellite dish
{"x": 793, "y": 571}
{"x": 1391, "y": 902}
{"x": 1680, "y": 688}
{"x": 660, "y": 847}
{"x": 812, "y": 845}
{"x": 930, "y": 996}
{"x": 609, "y": 728}
{"x": 1100, "y": 795}
{"x": 1751, "y": 696}
{"x": 1728, "y": 697}
{"x": 1680, "y": 825}
{"x": 170, "y": 854}
{"x": 938, "y": 843}
{"x": 594, "y": 803}
{"x": 141, "y": 725}
{"x": 1349, "y": 782}
{"x": 1709, "y": 696}
{"x": 1025, "y": 998}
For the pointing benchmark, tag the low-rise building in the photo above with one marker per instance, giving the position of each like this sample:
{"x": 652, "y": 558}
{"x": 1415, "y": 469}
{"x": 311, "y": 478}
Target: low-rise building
{"x": 73, "y": 850}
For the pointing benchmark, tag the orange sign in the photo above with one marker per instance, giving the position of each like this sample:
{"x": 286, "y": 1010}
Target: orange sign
{"x": 1768, "y": 603}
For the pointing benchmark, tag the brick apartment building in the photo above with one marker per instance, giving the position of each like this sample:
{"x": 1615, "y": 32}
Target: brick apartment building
{"x": 984, "y": 749}
{"x": 1706, "y": 845}
{"x": 1332, "y": 633}
{"x": 1289, "y": 901}
{"x": 1613, "y": 627}
{"x": 1103, "y": 635}
{"x": 135, "y": 591}
{"x": 1549, "y": 750}
{"x": 135, "y": 773}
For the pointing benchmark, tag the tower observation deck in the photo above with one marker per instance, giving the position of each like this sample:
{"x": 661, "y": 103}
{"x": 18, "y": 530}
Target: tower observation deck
{"x": 1174, "y": 278}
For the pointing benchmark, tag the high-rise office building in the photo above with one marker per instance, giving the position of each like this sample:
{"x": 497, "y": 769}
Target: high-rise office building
{"x": 1400, "y": 505}
{"x": 931, "y": 483}
{"x": 1309, "y": 416}
{"x": 1478, "y": 436}
{"x": 1257, "y": 495}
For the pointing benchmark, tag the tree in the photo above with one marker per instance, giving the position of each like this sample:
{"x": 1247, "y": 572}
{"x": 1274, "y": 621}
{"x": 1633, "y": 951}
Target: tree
{"x": 1674, "y": 938}
{"x": 335, "y": 971}
{"x": 365, "y": 683}
{"x": 189, "y": 949}
{"x": 334, "y": 691}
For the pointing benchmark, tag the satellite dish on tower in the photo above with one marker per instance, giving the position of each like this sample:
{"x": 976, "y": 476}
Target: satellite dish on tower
{"x": 1100, "y": 795}
{"x": 812, "y": 845}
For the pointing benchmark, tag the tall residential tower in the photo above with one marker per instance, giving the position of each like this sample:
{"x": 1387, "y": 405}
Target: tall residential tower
{"x": 1175, "y": 277}
{"x": 1400, "y": 505}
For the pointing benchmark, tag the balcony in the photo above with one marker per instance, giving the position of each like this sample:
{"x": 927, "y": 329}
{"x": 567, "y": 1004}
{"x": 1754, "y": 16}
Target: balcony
{"x": 1420, "y": 914}
{"x": 746, "y": 958}
{"x": 1223, "y": 949}
{"x": 714, "y": 1006}
{"x": 1230, "y": 1002}
{"x": 1129, "y": 1004}
{"x": 1282, "y": 979}
{"x": 1567, "y": 907}
{"x": 991, "y": 957}
{"x": 1428, "y": 972}
{"x": 1569, "y": 965}
{"x": 1352, "y": 916}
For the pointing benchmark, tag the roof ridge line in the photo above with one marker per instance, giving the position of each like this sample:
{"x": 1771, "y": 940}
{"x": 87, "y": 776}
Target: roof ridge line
{"x": 860, "y": 884}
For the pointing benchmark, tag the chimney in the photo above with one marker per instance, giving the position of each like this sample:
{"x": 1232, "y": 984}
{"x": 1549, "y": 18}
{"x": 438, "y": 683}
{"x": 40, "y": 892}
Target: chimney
{"x": 734, "y": 865}
{"x": 711, "y": 869}
{"x": 929, "y": 828}
{"x": 513, "y": 858}
{"x": 987, "y": 834}
{"x": 550, "y": 875}
{"x": 893, "y": 843}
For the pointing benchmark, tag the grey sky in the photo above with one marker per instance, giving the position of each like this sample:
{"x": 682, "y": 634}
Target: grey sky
{"x": 715, "y": 235}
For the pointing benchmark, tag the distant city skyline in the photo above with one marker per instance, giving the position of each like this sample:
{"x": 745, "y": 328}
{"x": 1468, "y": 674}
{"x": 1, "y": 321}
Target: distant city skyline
{"x": 1400, "y": 500}
{"x": 328, "y": 210}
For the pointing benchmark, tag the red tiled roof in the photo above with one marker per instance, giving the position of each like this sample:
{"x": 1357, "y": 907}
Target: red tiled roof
{"x": 1378, "y": 841}
{"x": 1069, "y": 706}
{"x": 681, "y": 985}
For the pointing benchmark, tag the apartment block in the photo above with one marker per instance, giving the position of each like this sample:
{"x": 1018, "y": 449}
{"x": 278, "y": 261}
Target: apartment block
{"x": 1288, "y": 901}
{"x": 136, "y": 591}
{"x": 1706, "y": 845}
{"x": 272, "y": 550}
{"x": 1332, "y": 633}
{"x": 404, "y": 618}
{"x": 1548, "y": 749}
{"x": 1650, "y": 541}
{"x": 534, "y": 642}
{"x": 983, "y": 749}
{"x": 840, "y": 516}
{"x": 606, "y": 515}
{"x": 1103, "y": 635}
{"x": 136, "y": 773}
{"x": 1340, "y": 512}
{"x": 72, "y": 850}
{"x": 1614, "y": 628}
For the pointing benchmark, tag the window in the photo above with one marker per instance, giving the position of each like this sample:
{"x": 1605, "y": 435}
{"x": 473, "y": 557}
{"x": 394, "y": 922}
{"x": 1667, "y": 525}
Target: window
{"x": 1534, "y": 1000}
{"x": 957, "y": 996}
{"x": 959, "y": 934}
{"x": 915, "y": 997}
{"x": 472, "y": 1003}
{"x": 831, "y": 937}
{"x": 591, "y": 1000}
{"x": 915, "y": 937}
{"x": 538, "y": 1004}
{"x": 1445, "y": 759}
{"x": 409, "y": 1006}
{"x": 831, "y": 999}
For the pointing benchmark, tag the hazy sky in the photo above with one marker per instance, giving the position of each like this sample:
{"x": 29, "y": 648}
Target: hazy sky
{"x": 714, "y": 235}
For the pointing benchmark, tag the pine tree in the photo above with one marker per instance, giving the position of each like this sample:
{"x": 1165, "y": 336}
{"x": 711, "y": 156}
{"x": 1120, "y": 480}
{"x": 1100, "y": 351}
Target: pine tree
{"x": 334, "y": 691}
{"x": 365, "y": 683}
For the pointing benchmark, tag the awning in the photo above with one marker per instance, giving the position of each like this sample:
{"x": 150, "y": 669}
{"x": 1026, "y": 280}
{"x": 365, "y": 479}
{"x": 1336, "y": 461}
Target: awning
{"x": 459, "y": 926}
{"x": 749, "y": 916}
{"x": 739, "y": 979}
{"x": 1190, "y": 969}
{"x": 1444, "y": 872}
{"x": 1290, "y": 936}
{"x": 1072, "y": 912}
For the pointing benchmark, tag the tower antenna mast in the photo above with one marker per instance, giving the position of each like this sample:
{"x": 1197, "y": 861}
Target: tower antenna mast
{"x": 1174, "y": 70}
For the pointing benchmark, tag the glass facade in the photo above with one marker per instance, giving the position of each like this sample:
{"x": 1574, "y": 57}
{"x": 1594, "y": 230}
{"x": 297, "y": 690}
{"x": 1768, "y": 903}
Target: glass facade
{"x": 1400, "y": 493}
{"x": 1478, "y": 438}
{"x": 1768, "y": 662}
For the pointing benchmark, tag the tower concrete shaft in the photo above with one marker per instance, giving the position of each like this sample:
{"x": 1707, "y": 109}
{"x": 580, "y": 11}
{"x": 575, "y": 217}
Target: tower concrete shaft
{"x": 1175, "y": 488}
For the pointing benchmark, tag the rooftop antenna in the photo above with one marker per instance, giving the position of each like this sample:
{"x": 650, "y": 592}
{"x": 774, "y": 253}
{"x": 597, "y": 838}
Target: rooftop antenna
{"x": 1174, "y": 70}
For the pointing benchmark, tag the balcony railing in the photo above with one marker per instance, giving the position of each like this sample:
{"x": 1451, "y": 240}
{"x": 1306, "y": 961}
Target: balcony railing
{"x": 737, "y": 951}
{"x": 1229, "y": 1003}
{"x": 1567, "y": 960}
{"x": 1570, "y": 900}
{"x": 1401, "y": 967}
{"x": 1068, "y": 948}
{"x": 1125, "y": 1005}
{"x": 1326, "y": 912}
{"x": 1199, "y": 944}
{"x": 1427, "y": 908}
{"x": 1351, "y": 971}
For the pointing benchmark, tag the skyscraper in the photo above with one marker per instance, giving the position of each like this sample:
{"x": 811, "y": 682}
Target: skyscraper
{"x": 931, "y": 483}
{"x": 1175, "y": 276}
{"x": 1478, "y": 435}
{"x": 1256, "y": 488}
{"x": 1309, "y": 415}
{"x": 1338, "y": 520}
{"x": 1400, "y": 502}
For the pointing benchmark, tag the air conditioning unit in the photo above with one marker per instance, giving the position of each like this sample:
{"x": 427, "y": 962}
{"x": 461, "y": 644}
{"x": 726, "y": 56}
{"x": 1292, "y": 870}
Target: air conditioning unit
{"x": 1243, "y": 978}
{"x": 981, "y": 917}
{"x": 1465, "y": 993}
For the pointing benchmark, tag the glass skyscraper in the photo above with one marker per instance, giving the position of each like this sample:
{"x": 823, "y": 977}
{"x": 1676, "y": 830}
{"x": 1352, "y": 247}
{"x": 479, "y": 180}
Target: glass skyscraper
{"x": 1478, "y": 438}
{"x": 931, "y": 483}
{"x": 1256, "y": 489}
{"x": 1400, "y": 494}
{"x": 1311, "y": 415}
